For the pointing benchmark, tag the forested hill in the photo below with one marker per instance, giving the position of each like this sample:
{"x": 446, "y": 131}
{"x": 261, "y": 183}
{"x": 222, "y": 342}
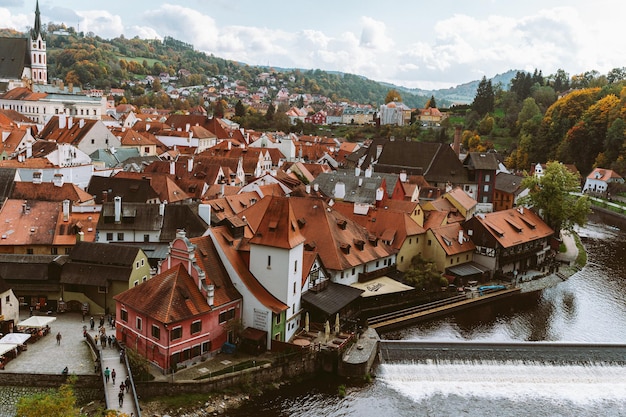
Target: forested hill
{"x": 102, "y": 63}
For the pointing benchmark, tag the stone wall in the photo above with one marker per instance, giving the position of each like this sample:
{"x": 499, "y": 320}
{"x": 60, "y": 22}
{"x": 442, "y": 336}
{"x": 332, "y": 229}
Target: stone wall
{"x": 14, "y": 386}
{"x": 269, "y": 373}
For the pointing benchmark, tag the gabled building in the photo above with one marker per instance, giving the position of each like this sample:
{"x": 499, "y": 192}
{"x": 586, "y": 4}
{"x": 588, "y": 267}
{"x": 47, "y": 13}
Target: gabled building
{"x": 183, "y": 313}
{"x": 448, "y": 246}
{"x": 122, "y": 222}
{"x": 508, "y": 190}
{"x": 599, "y": 180}
{"x": 482, "y": 168}
{"x": 88, "y": 135}
{"x": 43, "y": 227}
{"x": 509, "y": 241}
{"x": 262, "y": 312}
{"x": 97, "y": 272}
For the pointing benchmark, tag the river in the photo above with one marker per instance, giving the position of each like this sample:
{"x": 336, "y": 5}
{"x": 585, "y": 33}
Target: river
{"x": 589, "y": 307}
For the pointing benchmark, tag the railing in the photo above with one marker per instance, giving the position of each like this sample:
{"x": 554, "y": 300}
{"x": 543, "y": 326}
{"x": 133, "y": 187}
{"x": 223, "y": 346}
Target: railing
{"x": 417, "y": 309}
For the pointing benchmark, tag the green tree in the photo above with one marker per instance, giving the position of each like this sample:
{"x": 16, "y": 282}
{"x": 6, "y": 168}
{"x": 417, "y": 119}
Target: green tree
{"x": 240, "y": 109}
{"x": 58, "y": 404}
{"x": 393, "y": 95}
{"x": 271, "y": 110}
{"x": 424, "y": 275}
{"x": 485, "y": 97}
{"x": 552, "y": 196}
{"x": 431, "y": 103}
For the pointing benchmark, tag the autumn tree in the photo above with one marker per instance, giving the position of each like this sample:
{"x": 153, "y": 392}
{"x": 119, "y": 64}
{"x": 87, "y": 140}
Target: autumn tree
{"x": 485, "y": 98}
{"x": 393, "y": 95}
{"x": 553, "y": 197}
{"x": 58, "y": 404}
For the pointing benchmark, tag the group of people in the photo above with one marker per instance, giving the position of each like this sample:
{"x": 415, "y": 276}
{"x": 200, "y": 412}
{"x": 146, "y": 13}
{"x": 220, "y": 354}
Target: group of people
{"x": 110, "y": 374}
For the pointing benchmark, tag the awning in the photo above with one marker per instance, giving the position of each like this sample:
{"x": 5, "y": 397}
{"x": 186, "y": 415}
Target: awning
{"x": 15, "y": 338}
{"x": 6, "y": 347}
{"x": 37, "y": 321}
{"x": 382, "y": 285}
{"x": 332, "y": 298}
{"x": 467, "y": 269}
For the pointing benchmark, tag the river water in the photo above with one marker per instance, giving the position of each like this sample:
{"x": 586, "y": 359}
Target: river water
{"x": 589, "y": 307}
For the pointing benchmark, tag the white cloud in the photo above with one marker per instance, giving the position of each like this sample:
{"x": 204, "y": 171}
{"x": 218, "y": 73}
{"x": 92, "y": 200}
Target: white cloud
{"x": 14, "y": 21}
{"x": 373, "y": 34}
{"x": 101, "y": 22}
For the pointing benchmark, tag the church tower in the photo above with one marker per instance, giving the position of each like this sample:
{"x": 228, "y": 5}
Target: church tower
{"x": 39, "y": 65}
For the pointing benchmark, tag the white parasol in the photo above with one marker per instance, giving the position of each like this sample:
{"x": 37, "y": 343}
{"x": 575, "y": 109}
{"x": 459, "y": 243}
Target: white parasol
{"x": 337, "y": 328}
{"x": 306, "y": 322}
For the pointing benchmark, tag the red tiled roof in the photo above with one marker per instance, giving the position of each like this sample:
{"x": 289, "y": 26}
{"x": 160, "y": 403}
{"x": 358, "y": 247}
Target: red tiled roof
{"x": 168, "y": 297}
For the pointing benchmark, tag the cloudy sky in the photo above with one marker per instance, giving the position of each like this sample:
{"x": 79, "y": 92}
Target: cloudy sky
{"x": 413, "y": 43}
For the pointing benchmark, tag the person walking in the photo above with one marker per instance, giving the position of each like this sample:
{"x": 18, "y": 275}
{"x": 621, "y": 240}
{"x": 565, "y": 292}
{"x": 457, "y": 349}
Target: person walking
{"x": 92, "y": 322}
{"x": 95, "y": 339}
{"x": 59, "y": 338}
{"x": 120, "y": 397}
{"x": 113, "y": 374}
{"x": 122, "y": 386}
{"x": 127, "y": 383}
{"x": 107, "y": 374}
{"x": 103, "y": 341}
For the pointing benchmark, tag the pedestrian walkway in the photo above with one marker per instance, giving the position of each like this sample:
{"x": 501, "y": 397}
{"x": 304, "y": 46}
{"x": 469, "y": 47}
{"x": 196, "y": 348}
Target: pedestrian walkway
{"x": 110, "y": 358}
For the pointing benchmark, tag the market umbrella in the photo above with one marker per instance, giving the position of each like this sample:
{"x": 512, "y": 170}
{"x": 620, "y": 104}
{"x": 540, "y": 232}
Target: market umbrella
{"x": 306, "y": 322}
{"x": 327, "y": 331}
{"x": 337, "y": 328}
{"x": 36, "y": 322}
{"x": 15, "y": 338}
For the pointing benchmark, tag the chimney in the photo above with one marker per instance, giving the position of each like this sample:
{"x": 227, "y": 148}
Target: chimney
{"x": 190, "y": 164}
{"x": 357, "y": 171}
{"x": 187, "y": 127}
{"x": 204, "y": 211}
{"x": 229, "y": 143}
{"x": 70, "y": 122}
{"x": 379, "y": 150}
{"x": 172, "y": 168}
{"x": 403, "y": 176}
{"x": 162, "y": 208}
{"x": 118, "y": 209}
{"x": 340, "y": 190}
{"x": 81, "y": 123}
{"x": 461, "y": 237}
{"x": 29, "y": 150}
{"x": 147, "y": 127}
{"x": 380, "y": 194}
{"x": 80, "y": 236}
{"x": 456, "y": 147}
{"x": 222, "y": 190}
{"x": 368, "y": 172}
{"x": 210, "y": 294}
{"x": 62, "y": 121}
{"x": 308, "y": 188}
{"x": 66, "y": 210}
{"x": 316, "y": 187}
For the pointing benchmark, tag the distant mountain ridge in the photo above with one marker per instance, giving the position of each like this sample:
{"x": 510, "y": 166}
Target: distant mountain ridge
{"x": 461, "y": 94}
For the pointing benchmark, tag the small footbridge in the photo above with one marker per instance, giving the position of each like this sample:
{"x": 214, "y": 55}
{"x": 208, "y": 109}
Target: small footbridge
{"x": 553, "y": 353}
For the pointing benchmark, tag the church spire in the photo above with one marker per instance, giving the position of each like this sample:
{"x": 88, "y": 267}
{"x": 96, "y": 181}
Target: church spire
{"x": 36, "y": 31}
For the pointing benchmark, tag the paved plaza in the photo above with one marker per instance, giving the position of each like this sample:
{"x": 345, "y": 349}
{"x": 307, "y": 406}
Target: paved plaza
{"x": 46, "y": 357}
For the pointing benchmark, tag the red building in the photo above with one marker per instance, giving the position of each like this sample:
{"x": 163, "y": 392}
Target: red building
{"x": 183, "y": 312}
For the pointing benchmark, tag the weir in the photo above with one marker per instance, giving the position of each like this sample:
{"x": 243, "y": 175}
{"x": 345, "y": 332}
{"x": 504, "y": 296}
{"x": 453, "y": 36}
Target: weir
{"x": 396, "y": 351}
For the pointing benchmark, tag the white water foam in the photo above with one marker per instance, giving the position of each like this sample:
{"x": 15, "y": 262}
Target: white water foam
{"x": 514, "y": 381}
